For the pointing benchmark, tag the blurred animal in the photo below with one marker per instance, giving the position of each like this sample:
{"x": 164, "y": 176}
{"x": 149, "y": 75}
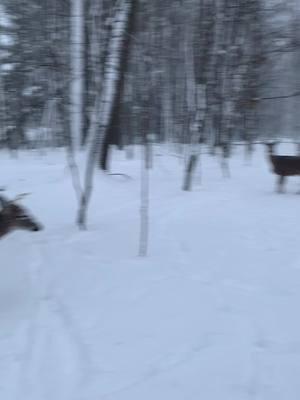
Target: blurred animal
{"x": 13, "y": 216}
{"x": 283, "y": 166}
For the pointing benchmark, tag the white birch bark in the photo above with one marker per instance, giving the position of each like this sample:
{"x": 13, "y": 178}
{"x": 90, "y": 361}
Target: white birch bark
{"x": 2, "y": 110}
{"x": 103, "y": 106}
{"x": 77, "y": 26}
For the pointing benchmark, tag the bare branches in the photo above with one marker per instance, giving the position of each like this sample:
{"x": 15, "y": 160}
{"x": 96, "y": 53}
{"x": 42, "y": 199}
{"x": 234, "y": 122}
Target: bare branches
{"x": 286, "y": 96}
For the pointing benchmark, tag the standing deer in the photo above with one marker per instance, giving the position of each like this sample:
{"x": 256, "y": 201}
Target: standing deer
{"x": 13, "y": 216}
{"x": 283, "y": 166}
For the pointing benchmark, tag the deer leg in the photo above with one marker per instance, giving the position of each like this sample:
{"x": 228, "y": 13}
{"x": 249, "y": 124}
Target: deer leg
{"x": 298, "y": 191}
{"x": 280, "y": 183}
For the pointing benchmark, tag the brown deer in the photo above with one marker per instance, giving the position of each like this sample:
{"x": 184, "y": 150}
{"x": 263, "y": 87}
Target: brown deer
{"x": 283, "y": 166}
{"x": 13, "y": 216}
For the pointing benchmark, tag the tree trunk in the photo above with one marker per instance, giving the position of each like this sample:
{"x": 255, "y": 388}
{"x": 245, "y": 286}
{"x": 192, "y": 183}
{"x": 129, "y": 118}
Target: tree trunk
{"x": 86, "y": 80}
{"x": 104, "y": 106}
{"x": 191, "y": 166}
{"x": 112, "y": 132}
{"x": 77, "y": 73}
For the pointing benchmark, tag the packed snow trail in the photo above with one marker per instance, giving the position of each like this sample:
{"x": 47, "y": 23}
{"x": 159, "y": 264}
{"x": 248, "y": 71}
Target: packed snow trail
{"x": 54, "y": 355}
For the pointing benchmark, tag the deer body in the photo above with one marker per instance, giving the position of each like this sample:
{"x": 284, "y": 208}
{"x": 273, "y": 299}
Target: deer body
{"x": 13, "y": 216}
{"x": 283, "y": 166}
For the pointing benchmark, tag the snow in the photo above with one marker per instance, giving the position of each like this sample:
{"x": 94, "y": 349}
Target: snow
{"x": 211, "y": 313}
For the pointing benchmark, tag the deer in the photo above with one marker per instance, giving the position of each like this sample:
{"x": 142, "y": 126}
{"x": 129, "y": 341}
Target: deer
{"x": 283, "y": 166}
{"x": 13, "y": 216}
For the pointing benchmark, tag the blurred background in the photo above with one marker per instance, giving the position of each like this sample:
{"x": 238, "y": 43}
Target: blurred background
{"x": 194, "y": 71}
{"x": 153, "y": 92}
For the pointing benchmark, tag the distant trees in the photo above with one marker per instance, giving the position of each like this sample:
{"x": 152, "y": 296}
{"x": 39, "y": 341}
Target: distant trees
{"x": 34, "y": 67}
{"x": 207, "y": 64}
{"x": 200, "y": 72}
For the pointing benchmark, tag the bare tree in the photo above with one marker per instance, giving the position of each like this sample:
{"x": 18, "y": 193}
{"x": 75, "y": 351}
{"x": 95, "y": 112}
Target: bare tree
{"x": 104, "y": 105}
{"x": 77, "y": 62}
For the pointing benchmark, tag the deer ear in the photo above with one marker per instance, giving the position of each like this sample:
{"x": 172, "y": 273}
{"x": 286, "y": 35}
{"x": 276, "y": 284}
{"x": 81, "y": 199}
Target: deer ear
{"x": 20, "y": 197}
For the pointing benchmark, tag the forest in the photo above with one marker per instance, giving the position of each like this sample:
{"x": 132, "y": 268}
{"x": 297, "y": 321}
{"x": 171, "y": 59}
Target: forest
{"x": 149, "y": 193}
{"x": 117, "y": 73}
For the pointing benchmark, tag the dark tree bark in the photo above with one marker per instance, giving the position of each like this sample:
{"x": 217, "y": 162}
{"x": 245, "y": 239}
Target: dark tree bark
{"x": 87, "y": 77}
{"x": 104, "y": 104}
{"x": 113, "y": 131}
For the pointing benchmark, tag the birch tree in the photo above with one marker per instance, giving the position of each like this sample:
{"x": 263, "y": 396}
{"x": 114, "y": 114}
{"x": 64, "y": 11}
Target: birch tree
{"x": 103, "y": 106}
{"x": 77, "y": 54}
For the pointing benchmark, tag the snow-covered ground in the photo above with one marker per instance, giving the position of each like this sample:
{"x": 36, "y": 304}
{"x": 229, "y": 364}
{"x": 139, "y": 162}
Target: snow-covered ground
{"x": 212, "y": 313}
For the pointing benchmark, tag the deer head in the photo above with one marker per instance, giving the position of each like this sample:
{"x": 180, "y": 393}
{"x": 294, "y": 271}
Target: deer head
{"x": 13, "y": 216}
{"x": 271, "y": 146}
